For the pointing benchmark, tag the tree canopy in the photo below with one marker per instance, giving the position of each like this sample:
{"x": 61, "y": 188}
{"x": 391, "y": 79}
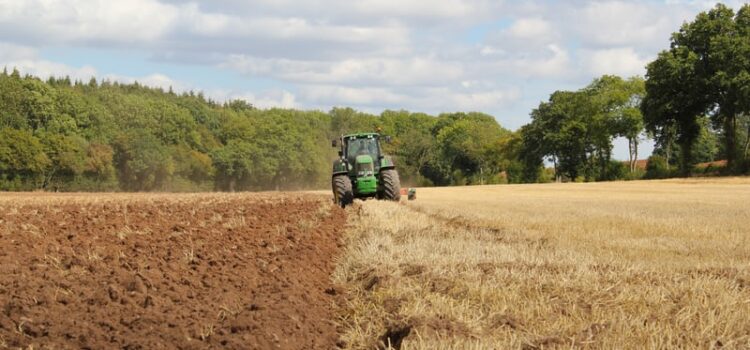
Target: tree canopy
{"x": 60, "y": 134}
{"x": 705, "y": 72}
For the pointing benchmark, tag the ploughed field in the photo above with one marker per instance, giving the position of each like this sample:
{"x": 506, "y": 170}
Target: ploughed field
{"x": 167, "y": 270}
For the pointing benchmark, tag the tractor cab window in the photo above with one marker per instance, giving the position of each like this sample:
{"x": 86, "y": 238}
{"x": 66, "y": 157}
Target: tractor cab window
{"x": 358, "y": 147}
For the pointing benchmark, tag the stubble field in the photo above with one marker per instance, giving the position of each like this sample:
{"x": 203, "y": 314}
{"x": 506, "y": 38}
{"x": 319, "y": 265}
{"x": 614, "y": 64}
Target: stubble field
{"x": 659, "y": 264}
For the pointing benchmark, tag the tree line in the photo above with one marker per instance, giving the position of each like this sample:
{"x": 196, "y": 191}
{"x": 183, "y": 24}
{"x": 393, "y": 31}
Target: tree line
{"x": 68, "y": 135}
{"x": 58, "y": 134}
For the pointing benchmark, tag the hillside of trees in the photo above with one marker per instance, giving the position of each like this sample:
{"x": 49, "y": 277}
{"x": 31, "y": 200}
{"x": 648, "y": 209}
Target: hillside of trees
{"x": 68, "y": 135}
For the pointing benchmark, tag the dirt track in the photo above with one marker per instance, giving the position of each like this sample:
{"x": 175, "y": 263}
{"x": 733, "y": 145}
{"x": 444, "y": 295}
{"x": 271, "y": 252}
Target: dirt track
{"x": 155, "y": 271}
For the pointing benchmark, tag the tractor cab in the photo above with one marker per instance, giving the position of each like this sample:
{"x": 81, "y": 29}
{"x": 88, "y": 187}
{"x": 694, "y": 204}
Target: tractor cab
{"x": 358, "y": 146}
{"x": 363, "y": 168}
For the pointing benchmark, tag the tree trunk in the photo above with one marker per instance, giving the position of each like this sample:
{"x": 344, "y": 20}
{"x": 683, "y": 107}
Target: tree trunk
{"x": 635, "y": 152}
{"x": 630, "y": 154}
{"x": 686, "y": 161}
{"x": 669, "y": 151}
{"x": 554, "y": 166}
{"x": 747, "y": 143}
{"x": 48, "y": 178}
{"x": 558, "y": 176}
{"x": 605, "y": 165}
{"x": 730, "y": 135}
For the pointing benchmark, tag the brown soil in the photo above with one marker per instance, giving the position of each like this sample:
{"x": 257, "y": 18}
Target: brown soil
{"x": 168, "y": 271}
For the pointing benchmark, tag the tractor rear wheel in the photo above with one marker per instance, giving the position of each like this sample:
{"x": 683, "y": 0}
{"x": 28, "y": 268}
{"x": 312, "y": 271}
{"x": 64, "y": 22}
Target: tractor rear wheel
{"x": 391, "y": 185}
{"x": 342, "y": 190}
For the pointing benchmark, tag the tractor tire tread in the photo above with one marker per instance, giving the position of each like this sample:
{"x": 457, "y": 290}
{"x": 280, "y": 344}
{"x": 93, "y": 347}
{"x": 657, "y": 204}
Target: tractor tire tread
{"x": 391, "y": 185}
{"x": 342, "y": 190}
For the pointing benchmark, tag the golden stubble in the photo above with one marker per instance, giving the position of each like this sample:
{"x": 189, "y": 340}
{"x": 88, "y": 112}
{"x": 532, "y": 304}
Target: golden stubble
{"x": 647, "y": 264}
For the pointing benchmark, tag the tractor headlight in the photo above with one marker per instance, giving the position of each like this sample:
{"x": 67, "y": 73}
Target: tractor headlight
{"x": 361, "y": 173}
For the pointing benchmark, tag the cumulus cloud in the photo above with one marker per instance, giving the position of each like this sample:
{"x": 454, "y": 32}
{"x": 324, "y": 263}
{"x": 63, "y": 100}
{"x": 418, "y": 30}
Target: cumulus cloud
{"x": 367, "y": 12}
{"x": 269, "y": 98}
{"x": 155, "y": 80}
{"x": 432, "y": 100}
{"x": 186, "y": 27}
{"x": 625, "y": 23}
{"x": 85, "y": 21}
{"x": 551, "y": 61}
{"x": 530, "y": 29}
{"x": 617, "y": 61}
{"x": 12, "y": 52}
{"x": 45, "y": 69}
{"x": 27, "y": 61}
{"x": 366, "y": 71}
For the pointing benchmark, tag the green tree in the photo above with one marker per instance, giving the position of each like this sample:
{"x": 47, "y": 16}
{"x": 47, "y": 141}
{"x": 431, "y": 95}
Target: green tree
{"x": 235, "y": 165}
{"x": 468, "y": 143}
{"x": 348, "y": 121}
{"x": 674, "y": 101}
{"x": 143, "y": 163}
{"x": 559, "y": 131}
{"x": 67, "y": 155}
{"x": 728, "y": 68}
{"x": 22, "y": 156}
{"x": 619, "y": 103}
{"x": 99, "y": 162}
{"x": 705, "y": 71}
{"x": 412, "y": 145}
{"x": 38, "y": 103}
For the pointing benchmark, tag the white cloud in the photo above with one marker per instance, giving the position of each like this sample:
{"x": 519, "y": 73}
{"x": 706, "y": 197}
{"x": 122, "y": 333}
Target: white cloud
{"x": 374, "y": 71}
{"x": 357, "y": 96}
{"x": 621, "y": 23}
{"x": 45, "y": 69}
{"x": 363, "y": 12}
{"x": 530, "y": 29}
{"x": 483, "y": 100}
{"x": 155, "y": 80}
{"x": 185, "y": 27}
{"x": 525, "y": 36}
{"x": 289, "y": 28}
{"x": 266, "y": 98}
{"x": 433, "y": 100}
{"x": 618, "y": 61}
{"x": 27, "y": 61}
{"x": 554, "y": 65}
{"x": 95, "y": 21}
{"x": 551, "y": 62}
{"x": 417, "y": 8}
{"x": 12, "y": 52}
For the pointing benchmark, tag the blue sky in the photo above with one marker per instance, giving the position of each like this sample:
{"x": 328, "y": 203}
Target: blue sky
{"x": 497, "y": 57}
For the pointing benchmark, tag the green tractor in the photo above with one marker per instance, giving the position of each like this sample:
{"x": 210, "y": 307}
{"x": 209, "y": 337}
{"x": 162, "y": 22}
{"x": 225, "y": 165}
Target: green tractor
{"x": 363, "y": 171}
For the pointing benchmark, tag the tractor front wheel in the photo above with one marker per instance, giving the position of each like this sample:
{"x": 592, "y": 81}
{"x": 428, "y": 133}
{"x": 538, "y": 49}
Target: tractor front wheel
{"x": 342, "y": 190}
{"x": 391, "y": 185}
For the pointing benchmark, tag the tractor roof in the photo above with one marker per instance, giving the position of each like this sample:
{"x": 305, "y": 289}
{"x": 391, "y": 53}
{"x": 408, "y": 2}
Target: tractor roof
{"x": 361, "y": 135}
